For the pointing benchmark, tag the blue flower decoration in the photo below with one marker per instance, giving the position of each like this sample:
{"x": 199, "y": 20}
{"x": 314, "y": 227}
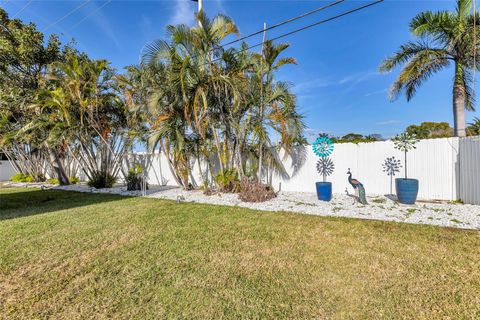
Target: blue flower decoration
{"x": 323, "y": 147}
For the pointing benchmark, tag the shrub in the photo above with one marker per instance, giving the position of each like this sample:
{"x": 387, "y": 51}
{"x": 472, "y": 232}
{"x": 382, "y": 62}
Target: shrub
{"x": 228, "y": 181}
{"x": 134, "y": 179}
{"x": 53, "y": 181}
{"x": 74, "y": 180}
{"x": 102, "y": 180}
{"x": 19, "y": 177}
{"x": 254, "y": 191}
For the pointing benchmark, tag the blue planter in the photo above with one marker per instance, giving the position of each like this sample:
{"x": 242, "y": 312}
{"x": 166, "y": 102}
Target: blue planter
{"x": 407, "y": 190}
{"x": 324, "y": 191}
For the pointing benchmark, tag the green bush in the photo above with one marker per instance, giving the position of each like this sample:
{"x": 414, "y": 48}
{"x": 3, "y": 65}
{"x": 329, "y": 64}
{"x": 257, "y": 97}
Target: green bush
{"x": 134, "y": 179}
{"x": 102, "y": 180}
{"x": 74, "y": 180}
{"x": 19, "y": 177}
{"x": 228, "y": 181}
{"x": 53, "y": 181}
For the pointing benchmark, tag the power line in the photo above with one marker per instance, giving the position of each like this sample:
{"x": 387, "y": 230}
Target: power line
{"x": 67, "y": 15}
{"x": 285, "y": 22}
{"x": 303, "y": 15}
{"x": 21, "y": 10}
{"x": 88, "y": 15}
{"x": 308, "y": 26}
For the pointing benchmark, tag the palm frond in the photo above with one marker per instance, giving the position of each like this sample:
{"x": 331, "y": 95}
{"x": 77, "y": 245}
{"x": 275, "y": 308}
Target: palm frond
{"x": 420, "y": 67}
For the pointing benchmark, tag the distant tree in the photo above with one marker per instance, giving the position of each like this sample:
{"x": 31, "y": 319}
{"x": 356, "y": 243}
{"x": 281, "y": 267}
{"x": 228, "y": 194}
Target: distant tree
{"x": 444, "y": 38}
{"x": 474, "y": 128}
{"x": 377, "y": 137}
{"x": 429, "y": 130}
{"x": 357, "y": 138}
{"x": 352, "y": 137}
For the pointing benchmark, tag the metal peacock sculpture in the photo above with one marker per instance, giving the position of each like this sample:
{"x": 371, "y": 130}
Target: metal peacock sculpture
{"x": 358, "y": 187}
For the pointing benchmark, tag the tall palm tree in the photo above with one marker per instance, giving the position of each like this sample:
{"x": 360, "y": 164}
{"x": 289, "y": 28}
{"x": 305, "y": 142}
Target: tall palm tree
{"x": 267, "y": 64}
{"x": 445, "y": 38}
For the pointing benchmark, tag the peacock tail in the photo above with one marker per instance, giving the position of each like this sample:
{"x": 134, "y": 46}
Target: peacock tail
{"x": 361, "y": 194}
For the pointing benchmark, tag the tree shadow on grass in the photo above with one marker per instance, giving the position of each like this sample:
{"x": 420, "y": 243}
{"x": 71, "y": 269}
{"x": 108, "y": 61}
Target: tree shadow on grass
{"x": 17, "y": 202}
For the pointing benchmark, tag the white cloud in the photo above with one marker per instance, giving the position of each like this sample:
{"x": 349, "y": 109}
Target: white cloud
{"x": 351, "y": 80}
{"x": 387, "y": 122}
{"x": 358, "y": 77}
{"x": 375, "y": 92}
{"x": 184, "y": 13}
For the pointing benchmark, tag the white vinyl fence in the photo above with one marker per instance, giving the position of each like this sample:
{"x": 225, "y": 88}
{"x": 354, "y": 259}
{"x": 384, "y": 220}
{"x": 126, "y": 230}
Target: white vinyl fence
{"x": 448, "y": 169}
{"x": 433, "y": 163}
{"x": 6, "y": 170}
{"x": 469, "y": 167}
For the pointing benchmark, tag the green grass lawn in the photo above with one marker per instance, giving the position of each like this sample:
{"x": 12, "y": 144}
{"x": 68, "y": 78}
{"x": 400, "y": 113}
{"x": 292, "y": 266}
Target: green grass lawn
{"x": 76, "y": 255}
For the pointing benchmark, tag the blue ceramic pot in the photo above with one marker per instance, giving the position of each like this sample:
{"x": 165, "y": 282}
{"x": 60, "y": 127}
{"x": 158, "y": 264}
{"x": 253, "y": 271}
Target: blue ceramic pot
{"x": 324, "y": 191}
{"x": 407, "y": 190}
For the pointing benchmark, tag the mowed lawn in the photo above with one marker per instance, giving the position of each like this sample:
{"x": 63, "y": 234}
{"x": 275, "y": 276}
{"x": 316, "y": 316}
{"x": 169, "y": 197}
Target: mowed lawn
{"x": 69, "y": 255}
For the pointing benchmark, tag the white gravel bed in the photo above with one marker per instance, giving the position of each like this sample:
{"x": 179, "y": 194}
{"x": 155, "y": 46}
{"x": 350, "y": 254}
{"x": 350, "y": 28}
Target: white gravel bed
{"x": 379, "y": 208}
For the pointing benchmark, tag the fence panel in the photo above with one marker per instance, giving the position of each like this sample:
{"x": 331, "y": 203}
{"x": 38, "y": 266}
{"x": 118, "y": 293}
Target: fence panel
{"x": 448, "y": 169}
{"x": 470, "y": 170}
{"x": 433, "y": 163}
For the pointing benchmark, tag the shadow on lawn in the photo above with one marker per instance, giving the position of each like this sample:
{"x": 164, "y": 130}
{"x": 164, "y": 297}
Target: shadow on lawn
{"x": 17, "y": 203}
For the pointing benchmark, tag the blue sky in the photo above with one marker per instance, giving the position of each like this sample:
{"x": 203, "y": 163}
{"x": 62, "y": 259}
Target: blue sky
{"x": 337, "y": 81}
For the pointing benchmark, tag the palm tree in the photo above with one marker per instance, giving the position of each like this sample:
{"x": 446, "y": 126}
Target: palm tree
{"x": 474, "y": 127}
{"x": 270, "y": 93}
{"x": 446, "y": 38}
{"x": 207, "y": 100}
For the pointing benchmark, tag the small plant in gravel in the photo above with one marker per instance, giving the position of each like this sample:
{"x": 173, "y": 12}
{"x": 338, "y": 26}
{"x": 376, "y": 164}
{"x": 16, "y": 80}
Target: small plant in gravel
{"x": 228, "y": 181}
{"x": 74, "y": 180}
{"x": 53, "y": 181}
{"x": 102, "y": 180}
{"x": 135, "y": 179}
{"x": 255, "y": 191}
{"x": 456, "y": 202}
{"x": 301, "y": 203}
{"x": 379, "y": 200}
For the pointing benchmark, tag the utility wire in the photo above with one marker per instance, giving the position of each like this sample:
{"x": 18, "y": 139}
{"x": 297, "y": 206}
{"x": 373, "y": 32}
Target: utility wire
{"x": 88, "y": 15}
{"x": 67, "y": 15}
{"x": 21, "y": 10}
{"x": 308, "y": 26}
{"x": 285, "y": 22}
{"x": 303, "y": 15}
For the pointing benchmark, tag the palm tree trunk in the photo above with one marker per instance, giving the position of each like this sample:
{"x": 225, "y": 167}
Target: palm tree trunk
{"x": 219, "y": 149}
{"x": 260, "y": 163}
{"x": 57, "y": 166}
{"x": 459, "y": 102}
